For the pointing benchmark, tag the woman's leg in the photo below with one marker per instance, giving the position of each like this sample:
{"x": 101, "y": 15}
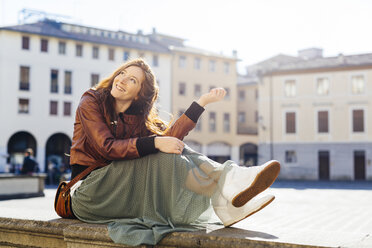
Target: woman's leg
{"x": 204, "y": 178}
{"x": 201, "y": 184}
{"x": 214, "y": 180}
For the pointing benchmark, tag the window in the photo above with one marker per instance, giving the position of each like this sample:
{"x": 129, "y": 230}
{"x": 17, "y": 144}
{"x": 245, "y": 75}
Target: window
{"x": 53, "y": 107}
{"x": 197, "y": 90}
{"x": 182, "y": 62}
{"x": 357, "y": 84}
{"x": 155, "y": 60}
{"x": 141, "y": 55}
{"x": 95, "y": 52}
{"x": 290, "y": 88}
{"x": 290, "y": 118}
{"x": 358, "y": 120}
{"x": 226, "y": 67}
{"x": 25, "y": 43}
{"x": 290, "y": 157}
{"x": 212, "y": 122}
{"x": 256, "y": 117}
{"x": 227, "y": 96}
{"x": 212, "y": 65}
{"x": 79, "y": 50}
{"x": 182, "y": 89}
{"x": 241, "y": 117}
{"x": 68, "y": 86}
{"x": 256, "y": 93}
{"x": 67, "y": 108}
{"x": 94, "y": 79}
{"x": 54, "y": 81}
{"x": 322, "y": 86}
{"x": 111, "y": 55}
{"x": 241, "y": 95}
{"x": 62, "y": 47}
{"x": 226, "y": 122}
{"x": 323, "y": 121}
{"x": 23, "y": 106}
{"x": 126, "y": 55}
{"x": 44, "y": 45}
{"x": 24, "y": 83}
{"x": 197, "y": 63}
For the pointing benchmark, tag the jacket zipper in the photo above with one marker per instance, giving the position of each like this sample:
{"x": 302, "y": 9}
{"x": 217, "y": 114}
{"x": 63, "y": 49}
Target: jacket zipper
{"x": 114, "y": 123}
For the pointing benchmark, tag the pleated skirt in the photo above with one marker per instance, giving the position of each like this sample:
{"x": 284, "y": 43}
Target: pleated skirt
{"x": 144, "y": 199}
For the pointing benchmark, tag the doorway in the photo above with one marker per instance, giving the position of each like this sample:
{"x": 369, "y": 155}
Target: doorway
{"x": 323, "y": 161}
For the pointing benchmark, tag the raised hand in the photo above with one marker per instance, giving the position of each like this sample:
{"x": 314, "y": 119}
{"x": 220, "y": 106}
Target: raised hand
{"x": 214, "y": 95}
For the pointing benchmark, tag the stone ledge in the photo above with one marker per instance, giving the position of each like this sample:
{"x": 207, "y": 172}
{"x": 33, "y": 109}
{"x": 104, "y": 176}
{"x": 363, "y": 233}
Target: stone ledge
{"x": 21, "y": 186}
{"x": 74, "y": 233}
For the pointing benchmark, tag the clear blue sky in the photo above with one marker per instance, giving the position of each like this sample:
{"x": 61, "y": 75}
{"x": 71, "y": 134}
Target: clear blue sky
{"x": 257, "y": 29}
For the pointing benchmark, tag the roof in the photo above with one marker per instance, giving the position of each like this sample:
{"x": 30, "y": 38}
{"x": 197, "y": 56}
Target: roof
{"x": 89, "y": 34}
{"x": 194, "y": 50}
{"x": 246, "y": 80}
{"x": 339, "y": 61}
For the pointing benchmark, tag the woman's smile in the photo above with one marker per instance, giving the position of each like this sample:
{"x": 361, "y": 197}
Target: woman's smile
{"x": 120, "y": 88}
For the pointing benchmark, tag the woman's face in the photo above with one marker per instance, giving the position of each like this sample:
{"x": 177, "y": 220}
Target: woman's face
{"x": 127, "y": 84}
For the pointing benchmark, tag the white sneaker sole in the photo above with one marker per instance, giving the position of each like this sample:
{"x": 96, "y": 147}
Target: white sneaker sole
{"x": 253, "y": 212}
{"x": 263, "y": 180}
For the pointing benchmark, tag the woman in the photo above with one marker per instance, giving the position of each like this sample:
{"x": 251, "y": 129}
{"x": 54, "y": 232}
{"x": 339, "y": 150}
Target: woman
{"x": 148, "y": 182}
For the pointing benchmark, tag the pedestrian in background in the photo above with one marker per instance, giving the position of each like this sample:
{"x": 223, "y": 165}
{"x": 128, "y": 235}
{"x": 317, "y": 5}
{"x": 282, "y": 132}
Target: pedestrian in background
{"x": 29, "y": 165}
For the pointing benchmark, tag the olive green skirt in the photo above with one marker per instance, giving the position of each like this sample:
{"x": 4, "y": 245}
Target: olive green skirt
{"x": 144, "y": 199}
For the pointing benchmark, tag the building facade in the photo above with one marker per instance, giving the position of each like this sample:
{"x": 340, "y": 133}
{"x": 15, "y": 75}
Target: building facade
{"x": 44, "y": 69}
{"x": 195, "y": 72}
{"x": 46, "y": 66}
{"x": 315, "y": 117}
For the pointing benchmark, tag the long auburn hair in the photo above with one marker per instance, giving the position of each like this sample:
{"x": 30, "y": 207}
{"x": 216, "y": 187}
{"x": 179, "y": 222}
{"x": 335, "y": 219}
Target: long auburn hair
{"x": 147, "y": 96}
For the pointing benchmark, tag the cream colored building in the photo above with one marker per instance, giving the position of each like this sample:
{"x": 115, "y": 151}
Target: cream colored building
{"x": 247, "y": 98}
{"x": 315, "y": 117}
{"x": 195, "y": 72}
{"x": 44, "y": 69}
{"x": 247, "y": 118}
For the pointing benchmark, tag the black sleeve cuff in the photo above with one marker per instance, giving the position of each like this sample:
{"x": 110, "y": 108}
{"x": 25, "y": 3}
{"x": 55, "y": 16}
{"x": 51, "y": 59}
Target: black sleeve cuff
{"x": 146, "y": 146}
{"x": 194, "y": 111}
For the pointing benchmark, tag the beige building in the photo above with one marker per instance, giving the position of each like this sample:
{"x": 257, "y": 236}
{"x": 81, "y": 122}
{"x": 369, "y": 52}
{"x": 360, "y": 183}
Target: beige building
{"x": 314, "y": 117}
{"x": 247, "y": 118}
{"x": 195, "y": 72}
{"x": 247, "y": 97}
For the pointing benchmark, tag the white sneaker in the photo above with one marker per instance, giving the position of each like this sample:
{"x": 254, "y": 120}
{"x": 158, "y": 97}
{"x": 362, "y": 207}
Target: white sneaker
{"x": 230, "y": 215}
{"x": 240, "y": 184}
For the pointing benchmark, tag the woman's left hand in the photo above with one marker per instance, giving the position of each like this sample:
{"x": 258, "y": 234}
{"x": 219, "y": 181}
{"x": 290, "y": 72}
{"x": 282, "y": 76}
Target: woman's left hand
{"x": 215, "y": 95}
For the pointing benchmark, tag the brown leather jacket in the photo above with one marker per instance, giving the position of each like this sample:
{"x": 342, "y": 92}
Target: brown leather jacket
{"x": 99, "y": 140}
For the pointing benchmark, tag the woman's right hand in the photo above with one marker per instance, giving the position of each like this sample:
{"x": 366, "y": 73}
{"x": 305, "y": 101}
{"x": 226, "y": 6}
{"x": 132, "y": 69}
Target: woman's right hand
{"x": 169, "y": 144}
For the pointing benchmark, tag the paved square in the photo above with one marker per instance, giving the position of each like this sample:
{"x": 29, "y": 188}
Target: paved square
{"x": 333, "y": 214}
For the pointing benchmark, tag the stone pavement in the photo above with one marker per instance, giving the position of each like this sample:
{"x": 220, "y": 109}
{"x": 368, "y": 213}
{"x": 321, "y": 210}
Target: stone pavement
{"x": 330, "y": 214}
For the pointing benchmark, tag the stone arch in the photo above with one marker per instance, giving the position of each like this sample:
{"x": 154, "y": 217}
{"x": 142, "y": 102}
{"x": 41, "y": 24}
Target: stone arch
{"x": 56, "y": 148}
{"x": 248, "y": 154}
{"x": 17, "y": 144}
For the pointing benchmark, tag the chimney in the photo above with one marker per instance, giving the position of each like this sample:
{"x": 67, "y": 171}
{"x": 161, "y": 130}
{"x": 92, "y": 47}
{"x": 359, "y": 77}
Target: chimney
{"x": 153, "y": 30}
{"x": 235, "y": 53}
{"x": 341, "y": 58}
{"x": 310, "y": 53}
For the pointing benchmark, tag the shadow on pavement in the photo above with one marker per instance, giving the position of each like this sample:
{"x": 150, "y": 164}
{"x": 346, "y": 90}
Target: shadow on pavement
{"x": 297, "y": 184}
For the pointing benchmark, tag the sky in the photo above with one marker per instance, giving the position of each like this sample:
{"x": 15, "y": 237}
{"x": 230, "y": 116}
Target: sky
{"x": 257, "y": 29}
